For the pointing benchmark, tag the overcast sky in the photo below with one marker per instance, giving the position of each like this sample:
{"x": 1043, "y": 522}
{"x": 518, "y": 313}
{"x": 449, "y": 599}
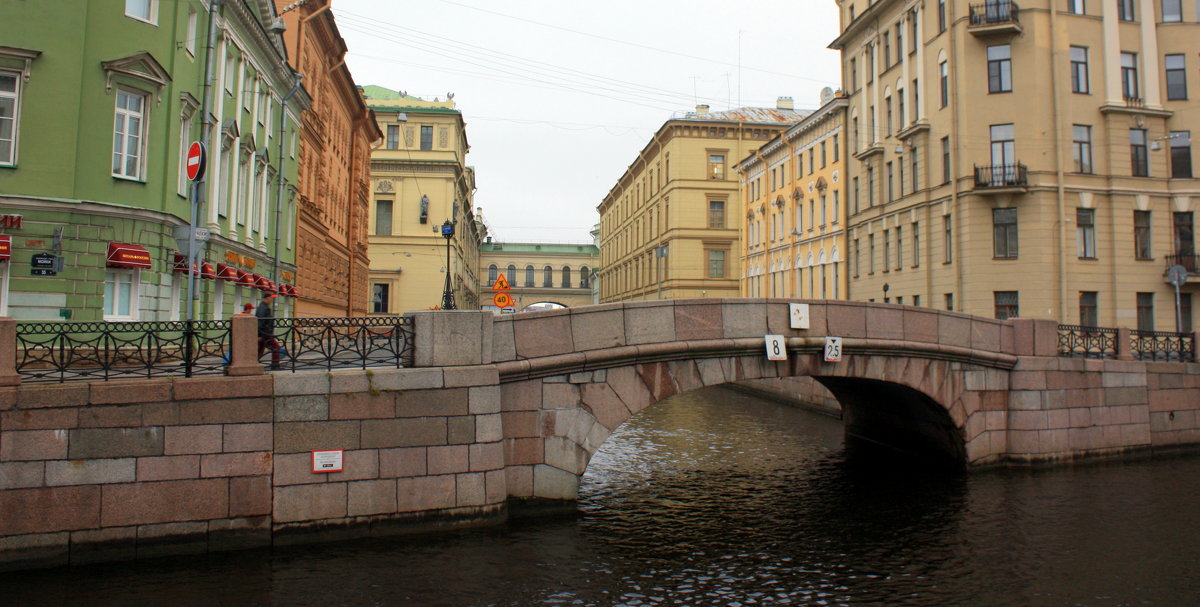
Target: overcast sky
{"x": 559, "y": 96}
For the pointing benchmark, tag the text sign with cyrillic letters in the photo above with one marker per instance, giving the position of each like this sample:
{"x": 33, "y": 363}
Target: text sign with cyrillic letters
{"x": 833, "y": 349}
{"x": 776, "y": 347}
{"x": 798, "y": 315}
{"x": 327, "y": 461}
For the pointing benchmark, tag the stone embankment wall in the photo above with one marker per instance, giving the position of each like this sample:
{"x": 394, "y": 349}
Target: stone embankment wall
{"x": 133, "y": 469}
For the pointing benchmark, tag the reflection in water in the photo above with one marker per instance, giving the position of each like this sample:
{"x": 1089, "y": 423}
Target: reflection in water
{"x": 717, "y": 498}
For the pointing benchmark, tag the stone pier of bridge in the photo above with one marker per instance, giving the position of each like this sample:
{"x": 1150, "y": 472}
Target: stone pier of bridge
{"x": 507, "y": 410}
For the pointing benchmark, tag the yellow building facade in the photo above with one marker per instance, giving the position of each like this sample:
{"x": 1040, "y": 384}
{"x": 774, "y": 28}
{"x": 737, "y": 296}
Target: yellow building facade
{"x": 669, "y": 228}
{"x": 1030, "y": 160}
{"x": 538, "y": 273}
{"x": 793, "y": 193}
{"x": 419, "y": 182}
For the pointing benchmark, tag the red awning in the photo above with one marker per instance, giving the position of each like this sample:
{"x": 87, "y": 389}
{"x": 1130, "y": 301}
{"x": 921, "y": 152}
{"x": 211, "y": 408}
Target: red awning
{"x": 244, "y": 278}
{"x": 181, "y": 264}
{"x": 5, "y": 247}
{"x": 121, "y": 255}
{"x": 287, "y": 290}
{"x": 226, "y": 272}
{"x": 207, "y": 271}
{"x": 260, "y": 282}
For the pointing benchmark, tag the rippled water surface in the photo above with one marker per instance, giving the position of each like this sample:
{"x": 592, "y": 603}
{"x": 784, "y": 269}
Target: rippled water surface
{"x": 716, "y": 498}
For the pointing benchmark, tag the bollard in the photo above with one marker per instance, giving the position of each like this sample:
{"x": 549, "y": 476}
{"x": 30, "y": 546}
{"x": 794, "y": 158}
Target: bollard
{"x": 8, "y": 353}
{"x": 1124, "y": 349}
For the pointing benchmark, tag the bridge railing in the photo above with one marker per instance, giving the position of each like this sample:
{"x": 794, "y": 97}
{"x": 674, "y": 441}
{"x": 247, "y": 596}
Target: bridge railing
{"x": 102, "y": 351}
{"x": 1109, "y": 343}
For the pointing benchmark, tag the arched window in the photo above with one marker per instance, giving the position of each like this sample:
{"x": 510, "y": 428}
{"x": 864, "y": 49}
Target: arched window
{"x": 493, "y": 274}
{"x": 529, "y": 276}
{"x": 566, "y": 277}
{"x": 584, "y": 279}
{"x": 547, "y": 276}
{"x": 511, "y": 274}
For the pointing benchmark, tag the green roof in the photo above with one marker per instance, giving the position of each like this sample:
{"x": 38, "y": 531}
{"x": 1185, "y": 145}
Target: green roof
{"x": 539, "y": 247}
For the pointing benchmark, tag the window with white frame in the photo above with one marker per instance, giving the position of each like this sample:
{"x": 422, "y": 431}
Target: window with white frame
{"x": 129, "y": 134}
{"x": 121, "y": 294}
{"x": 10, "y": 106}
{"x": 1076, "y": 6}
{"x": 142, "y": 10}
{"x": 190, "y": 43}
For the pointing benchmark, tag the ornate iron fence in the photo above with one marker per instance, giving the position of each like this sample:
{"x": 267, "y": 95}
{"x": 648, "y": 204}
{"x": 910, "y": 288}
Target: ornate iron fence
{"x": 338, "y": 343}
{"x": 1087, "y": 342}
{"x": 63, "y": 351}
{"x": 1161, "y": 345}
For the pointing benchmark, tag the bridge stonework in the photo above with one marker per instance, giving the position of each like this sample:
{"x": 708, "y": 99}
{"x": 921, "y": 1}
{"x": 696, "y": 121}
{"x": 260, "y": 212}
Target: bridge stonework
{"x": 508, "y": 409}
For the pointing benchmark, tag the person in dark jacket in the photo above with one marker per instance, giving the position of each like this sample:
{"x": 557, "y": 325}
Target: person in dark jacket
{"x": 266, "y": 329}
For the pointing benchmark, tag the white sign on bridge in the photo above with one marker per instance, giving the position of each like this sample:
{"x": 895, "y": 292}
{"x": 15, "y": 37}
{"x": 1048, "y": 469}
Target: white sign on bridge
{"x": 776, "y": 347}
{"x": 833, "y": 349}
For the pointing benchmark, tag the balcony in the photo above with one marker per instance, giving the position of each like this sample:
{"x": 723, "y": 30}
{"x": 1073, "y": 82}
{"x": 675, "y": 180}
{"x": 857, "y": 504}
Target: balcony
{"x": 1001, "y": 178}
{"x": 1189, "y": 261}
{"x": 994, "y": 17}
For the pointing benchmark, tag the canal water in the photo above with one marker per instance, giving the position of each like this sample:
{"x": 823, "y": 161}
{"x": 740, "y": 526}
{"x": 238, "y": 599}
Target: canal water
{"x": 719, "y": 498}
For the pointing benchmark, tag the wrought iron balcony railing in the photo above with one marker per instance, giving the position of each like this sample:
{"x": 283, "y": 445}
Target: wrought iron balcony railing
{"x": 1001, "y": 176}
{"x": 994, "y": 12}
{"x": 1189, "y": 261}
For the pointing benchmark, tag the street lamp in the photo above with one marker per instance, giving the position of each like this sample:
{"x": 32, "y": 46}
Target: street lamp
{"x": 447, "y": 293}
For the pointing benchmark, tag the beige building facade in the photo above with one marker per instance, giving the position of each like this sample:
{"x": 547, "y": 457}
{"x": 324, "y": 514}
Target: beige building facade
{"x": 538, "y": 273}
{"x": 420, "y": 181}
{"x": 1030, "y": 160}
{"x": 669, "y": 228}
{"x": 793, "y": 194}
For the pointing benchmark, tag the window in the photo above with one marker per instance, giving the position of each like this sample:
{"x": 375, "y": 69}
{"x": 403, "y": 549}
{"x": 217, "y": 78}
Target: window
{"x": 1145, "y": 311}
{"x": 999, "y": 68}
{"x": 944, "y": 83}
{"x": 1176, "y": 77}
{"x": 1079, "y": 70}
{"x": 811, "y": 155}
{"x": 949, "y": 301}
{"x": 566, "y": 277}
{"x": 1140, "y": 163}
{"x": 1088, "y": 315}
{"x": 529, "y": 276}
{"x": 120, "y": 294}
{"x": 899, "y": 40}
{"x": 899, "y": 248}
{"x": 854, "y": 189}
{"x": 901, "y": 116}
{"x": 547, "y": 276}
{"x": 510, "y": 273}
{"x": 916, "y": 244}
{"x": 716, "y": 214}
{"x": 426, "y": 137}
{"x": 853, "y": 74}
{"x": 1081, "y": 148}
{"x": 1141, "y": 235}
{"x": 887, "y": 103}
{"x": 941, "y": 12}
{"x": 946, "y": 159}
{"x": 823, "y": 210}
{"x": 1003, "y": 152}
{"x": 870, "y": 254}
{"x": 1004, "y": 233}
{"x": 379, "y": 298}
{"x": 890, "y": 182}
{"x": 1185, "y": 244}
{"x": 190, "y": 43}
{"x": 493, "y": 274}
{"x": 947, "y": 241}
{"x": 837, "y": 206}
{"x": 129, "y": 130}
{"x": 1172, "y": 11}
{"x": 1129, "y": 77}
{"x": 836, "y": 151}
{"x": 142, "y": 10}
{"x": 383, "y": 217}
{"x": 393, "y": 136}
{"x": 823, "y": 154}
{"x": 10, "y": 105}
{"x": 887, "y": 50}
{"x": 1076, "y": 6}
{"x": 716, "y": 166}
{"x": 1181, "y": 153}
{"x": 716, "y": 264}
{"x": 857, "y": 257}
{"x": 1006, "y": 304}
{"x": 915, "y": 170}
{"x": 1085, "y": 231}
{"x": 870, "y": 187}
{"x": 1185, "y": 313}
{"x": 1125, "y": 10}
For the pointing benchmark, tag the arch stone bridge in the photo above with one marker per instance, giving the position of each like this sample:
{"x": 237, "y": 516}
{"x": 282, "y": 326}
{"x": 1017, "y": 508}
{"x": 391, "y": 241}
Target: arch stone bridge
{"x": 502, "y": 410}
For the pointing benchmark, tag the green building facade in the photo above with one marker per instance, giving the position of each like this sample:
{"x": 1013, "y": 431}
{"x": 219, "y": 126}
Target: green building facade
{"x": 99, "y": 100}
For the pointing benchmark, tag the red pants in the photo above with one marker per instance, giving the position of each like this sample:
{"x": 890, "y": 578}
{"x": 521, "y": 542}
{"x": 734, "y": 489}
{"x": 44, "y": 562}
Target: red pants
{"x": 265, "y": 342}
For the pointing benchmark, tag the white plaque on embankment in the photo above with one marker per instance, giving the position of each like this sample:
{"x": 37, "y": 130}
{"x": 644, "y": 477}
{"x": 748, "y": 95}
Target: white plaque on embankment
{"x": 327, "y": 461}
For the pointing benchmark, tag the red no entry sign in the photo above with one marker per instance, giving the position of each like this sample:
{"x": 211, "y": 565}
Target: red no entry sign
{"x": 197, "y": 158}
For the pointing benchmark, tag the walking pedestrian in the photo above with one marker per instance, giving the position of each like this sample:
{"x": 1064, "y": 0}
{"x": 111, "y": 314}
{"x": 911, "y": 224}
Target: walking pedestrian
{"x": 266, "y": 329}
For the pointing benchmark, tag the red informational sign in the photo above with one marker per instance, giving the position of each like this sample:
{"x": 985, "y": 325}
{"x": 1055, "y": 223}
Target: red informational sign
{"x": 197, "y": 158}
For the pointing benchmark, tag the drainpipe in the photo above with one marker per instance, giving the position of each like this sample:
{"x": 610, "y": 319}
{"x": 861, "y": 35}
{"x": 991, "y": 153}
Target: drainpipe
{"x": 206, "y": 137}
{"x": 1060, "y": 313}
{"x": 279, "y": 199}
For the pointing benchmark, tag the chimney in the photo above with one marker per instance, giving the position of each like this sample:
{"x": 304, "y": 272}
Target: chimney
{"x": 702, "y": 110}
{"x": 785, "y": 103}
